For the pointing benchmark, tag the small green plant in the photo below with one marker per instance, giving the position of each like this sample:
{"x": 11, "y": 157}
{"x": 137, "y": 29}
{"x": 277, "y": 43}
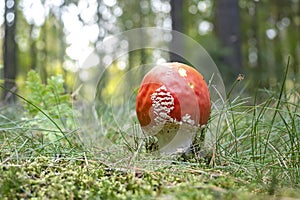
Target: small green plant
{"x": 51, "y": 99}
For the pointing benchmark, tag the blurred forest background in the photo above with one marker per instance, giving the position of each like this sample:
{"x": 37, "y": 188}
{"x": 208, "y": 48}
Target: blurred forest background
{"x": 253, "y": 37}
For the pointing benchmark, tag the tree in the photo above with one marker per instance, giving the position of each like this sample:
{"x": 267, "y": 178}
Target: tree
{"x": 228, "y": 32}
{"x": 10, "y": 50}
{"x": 177, "y": 25}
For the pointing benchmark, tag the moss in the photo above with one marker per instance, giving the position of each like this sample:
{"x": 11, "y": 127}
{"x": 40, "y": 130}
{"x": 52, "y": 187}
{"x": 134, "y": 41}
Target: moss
{"x": 73, "y": 179}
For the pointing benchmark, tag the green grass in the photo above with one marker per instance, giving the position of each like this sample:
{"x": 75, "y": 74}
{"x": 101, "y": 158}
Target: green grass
{"x": 257, "y": 156}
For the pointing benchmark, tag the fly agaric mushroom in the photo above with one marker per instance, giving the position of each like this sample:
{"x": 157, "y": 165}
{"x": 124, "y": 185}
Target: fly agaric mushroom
{"x": 173, "y": 102}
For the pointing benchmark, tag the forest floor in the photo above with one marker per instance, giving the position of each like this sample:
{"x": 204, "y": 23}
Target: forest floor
{"x": 64, "y": 177}
{"x": 257, "y": 155}
{"x": 31, "y": 166}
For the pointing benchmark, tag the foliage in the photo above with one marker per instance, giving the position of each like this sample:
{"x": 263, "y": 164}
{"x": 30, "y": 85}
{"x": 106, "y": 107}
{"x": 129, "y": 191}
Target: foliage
{"x": 52, "y": 99}
{"x": 267, "y": 37}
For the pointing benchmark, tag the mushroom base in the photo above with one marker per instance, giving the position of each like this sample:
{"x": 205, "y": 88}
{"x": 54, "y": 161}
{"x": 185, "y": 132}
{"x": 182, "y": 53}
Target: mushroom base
{"x": 173, "y": 138}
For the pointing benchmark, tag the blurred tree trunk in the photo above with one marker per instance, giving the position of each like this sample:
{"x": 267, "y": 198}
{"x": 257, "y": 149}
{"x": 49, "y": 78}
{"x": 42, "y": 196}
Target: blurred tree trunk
{"x": 278, "y": 50}
{"x": 33, "y": 49}
{"x": 297, "y": 58}
{"x": 298, "y": 39}
{"x": 10, "y": 50}
{"x": 228, "y": 32}
{"x": 143, "y": 54}
{"x": 61, "y": 45}
{"x": 258, "y": 72}
{"x": 176, "y": 46}
{"x": 44, "y": 57}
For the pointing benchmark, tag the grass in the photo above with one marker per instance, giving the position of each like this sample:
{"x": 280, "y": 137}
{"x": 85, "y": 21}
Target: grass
{"x": 257, "y": 156}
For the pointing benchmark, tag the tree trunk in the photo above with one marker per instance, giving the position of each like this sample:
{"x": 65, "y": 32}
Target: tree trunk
{"x": 297, "y": 65}
{"x": 33, "y": 49}
{"x": 176, "y": 46}
{"x": 10, "y": 51}
{"x": 44, "y": 60}
{"x": 228, "y": 32}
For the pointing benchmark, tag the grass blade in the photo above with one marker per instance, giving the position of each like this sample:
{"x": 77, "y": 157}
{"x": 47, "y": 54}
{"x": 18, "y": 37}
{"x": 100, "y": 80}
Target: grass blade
{"x": 277, "y": 106}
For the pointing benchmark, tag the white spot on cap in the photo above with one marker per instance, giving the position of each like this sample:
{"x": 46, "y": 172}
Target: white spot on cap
{"x": 187, "y": 119}
{"x": 163, "y": 104}
{"x": 191, "y": 85}
{"x": 182, "y": 72}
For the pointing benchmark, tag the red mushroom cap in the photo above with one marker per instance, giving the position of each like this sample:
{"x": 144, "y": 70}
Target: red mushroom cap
{"x": 173, "y": 93}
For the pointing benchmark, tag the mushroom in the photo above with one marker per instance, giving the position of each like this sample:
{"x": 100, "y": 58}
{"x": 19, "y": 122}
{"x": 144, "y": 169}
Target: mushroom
{"x": 173, "y": 103}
